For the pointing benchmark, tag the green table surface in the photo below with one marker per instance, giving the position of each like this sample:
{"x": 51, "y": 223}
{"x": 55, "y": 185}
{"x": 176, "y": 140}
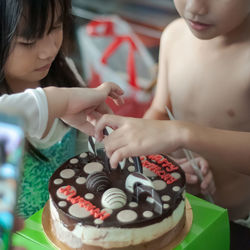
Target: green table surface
{"x": 209, "y": 230}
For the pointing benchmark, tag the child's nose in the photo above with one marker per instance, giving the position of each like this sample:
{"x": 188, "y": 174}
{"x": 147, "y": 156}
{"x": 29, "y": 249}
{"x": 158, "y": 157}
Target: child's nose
{"x": 48, "y": 47}
{"x": 197, "y": 7}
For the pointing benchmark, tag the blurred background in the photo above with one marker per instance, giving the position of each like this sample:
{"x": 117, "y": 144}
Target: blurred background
{"x": 147, "y": 19}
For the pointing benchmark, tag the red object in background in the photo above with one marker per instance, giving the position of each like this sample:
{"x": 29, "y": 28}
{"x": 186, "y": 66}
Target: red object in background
{"x": 131, "y": 106}
{"x": 136, "y": 99}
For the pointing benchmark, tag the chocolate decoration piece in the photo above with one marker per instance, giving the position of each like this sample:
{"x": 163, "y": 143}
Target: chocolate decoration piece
{"x": 137, "y": 178}
{"x": 138, "y": 165}
{"x": 98, "y": 182}
{"x": 91, "y": 145}
{"x": 142, "y": 189}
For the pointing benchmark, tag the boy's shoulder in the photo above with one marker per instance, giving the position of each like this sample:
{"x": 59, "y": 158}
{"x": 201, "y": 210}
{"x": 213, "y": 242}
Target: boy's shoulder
{"x": 176, "y": 29}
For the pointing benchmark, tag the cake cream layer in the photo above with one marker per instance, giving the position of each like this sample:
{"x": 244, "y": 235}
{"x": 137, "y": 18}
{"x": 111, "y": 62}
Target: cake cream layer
{"x": 108, "y": 237}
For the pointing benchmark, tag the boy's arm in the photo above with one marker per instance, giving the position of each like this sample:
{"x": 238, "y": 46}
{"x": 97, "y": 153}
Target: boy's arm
{"x": 225, "y": 148}
{"x": 161, "y": 97}
{"x": 136, "y": 137}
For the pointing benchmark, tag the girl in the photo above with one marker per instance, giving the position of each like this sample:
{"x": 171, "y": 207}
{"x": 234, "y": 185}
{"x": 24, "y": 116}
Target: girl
{"x": 34, "y": 35}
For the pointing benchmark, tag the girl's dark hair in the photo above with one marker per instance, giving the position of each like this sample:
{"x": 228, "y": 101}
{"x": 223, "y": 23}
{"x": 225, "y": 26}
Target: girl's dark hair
{"x": 35, "y": 15}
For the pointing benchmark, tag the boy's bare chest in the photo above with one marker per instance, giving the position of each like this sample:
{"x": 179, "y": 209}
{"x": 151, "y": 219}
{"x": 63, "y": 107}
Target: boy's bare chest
{"x": 215, "y": 93}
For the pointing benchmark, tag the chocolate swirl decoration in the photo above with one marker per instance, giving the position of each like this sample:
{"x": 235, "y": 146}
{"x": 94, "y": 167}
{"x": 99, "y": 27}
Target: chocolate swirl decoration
{"x": 139, "y": 184}
{"x": 98, "y": 182}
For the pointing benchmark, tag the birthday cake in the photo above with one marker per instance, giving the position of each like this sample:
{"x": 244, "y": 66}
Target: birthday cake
{"x": 139, "y": 205}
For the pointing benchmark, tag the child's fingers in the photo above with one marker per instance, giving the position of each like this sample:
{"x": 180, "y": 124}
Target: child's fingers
{"x": 117, "y": 156}
{"x": 208, "y": 185}
{"x": 111, "y": 88}
{"x": 180, "y": 160}
{"x": 203, "y": 165}
{"x": 191, "y": 179}
{"x": 187, "y": 168}
{"x": 107, "y": 120}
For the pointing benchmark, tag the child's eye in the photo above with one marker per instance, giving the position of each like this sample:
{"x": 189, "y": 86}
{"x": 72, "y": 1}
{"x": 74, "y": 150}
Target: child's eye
{"x": 27, "y": 44}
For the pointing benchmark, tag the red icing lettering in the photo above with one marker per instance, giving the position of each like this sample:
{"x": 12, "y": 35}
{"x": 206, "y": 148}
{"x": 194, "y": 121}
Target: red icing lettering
{"x": 170, "y": 167}
{"x": 168, "y": 178}
{"x": 94, "y": 211}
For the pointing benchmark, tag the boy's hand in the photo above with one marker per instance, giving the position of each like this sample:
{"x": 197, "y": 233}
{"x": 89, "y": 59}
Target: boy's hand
{"x": 207, "y": 186}
{"x": 136, "y": 137}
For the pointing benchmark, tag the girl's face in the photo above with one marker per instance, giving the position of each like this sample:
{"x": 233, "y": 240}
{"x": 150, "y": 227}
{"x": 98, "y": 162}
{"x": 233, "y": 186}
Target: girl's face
{"x": 30, "y": 60}
{"x": 211, "y": 18}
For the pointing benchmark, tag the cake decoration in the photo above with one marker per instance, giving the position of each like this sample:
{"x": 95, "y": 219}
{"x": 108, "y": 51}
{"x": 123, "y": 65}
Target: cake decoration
{"x": 98, "y": 182}
{"x": 94, "y": 206}
{"x": 114, "y": 198}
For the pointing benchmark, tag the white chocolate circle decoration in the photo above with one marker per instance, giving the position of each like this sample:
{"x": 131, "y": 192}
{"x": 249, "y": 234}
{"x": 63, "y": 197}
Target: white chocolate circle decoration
{"x": 80, "y": 180}
{"x": 83, "y": 155}
{"x": 62, "y": 203}
{"x": 165, "y": 206}
{"x": 133, "y": 204}
{"x": 148, "y": 173}
{"x": 131, "y": 168}
{"x": 89, "y": 196}
{"x": 93, "y": 167}
{"x": 176, "y": 175}
{"x": 98, "y": 221}
{"x": 159, "y": 184}
{"x": 176, "y": 188}
{"x": 74, "y": 161}
{"x": 61, "y": 195}
{"x": 114, "y": 198}
{"x": 136, "y": 177}
{"x": 165, "y": 198}
{"x": 148, "y": 214}
{"x": 126, "y": 216}
{"x": 58, "y": 181}
{"x": 67, "y": 173}
{"x": 79, "y": 212}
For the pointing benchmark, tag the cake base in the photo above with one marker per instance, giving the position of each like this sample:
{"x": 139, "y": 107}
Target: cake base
{"x": 184, "y": 225}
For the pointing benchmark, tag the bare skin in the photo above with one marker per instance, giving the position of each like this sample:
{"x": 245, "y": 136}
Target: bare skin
{"x": 204, "y": 78}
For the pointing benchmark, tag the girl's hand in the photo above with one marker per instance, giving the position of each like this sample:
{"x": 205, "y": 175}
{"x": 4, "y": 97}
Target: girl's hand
{"x": 136, "y": 137}
{"x": 80, "y": 107}
{"x": 207, "y": 186}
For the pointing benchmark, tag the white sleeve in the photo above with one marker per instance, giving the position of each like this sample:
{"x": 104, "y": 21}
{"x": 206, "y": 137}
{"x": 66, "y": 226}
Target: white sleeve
{"x": 32, "y": 105}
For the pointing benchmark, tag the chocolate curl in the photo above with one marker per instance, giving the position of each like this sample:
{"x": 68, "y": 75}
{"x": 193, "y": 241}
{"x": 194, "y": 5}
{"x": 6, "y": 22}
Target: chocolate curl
{"x": 91, "y": 145}
{"x": 106, "y": 132}
{"x": 138, "y": 165}
{"x": 104, "y": 155}
{"x": 142, "y": 189}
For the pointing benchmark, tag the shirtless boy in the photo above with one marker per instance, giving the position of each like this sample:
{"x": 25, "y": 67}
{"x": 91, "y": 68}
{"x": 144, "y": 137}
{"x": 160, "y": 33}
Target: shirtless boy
{"x": 204, "y": 78}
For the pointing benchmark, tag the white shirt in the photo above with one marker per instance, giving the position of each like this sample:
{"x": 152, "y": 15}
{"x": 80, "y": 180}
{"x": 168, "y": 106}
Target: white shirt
{"x": 32, "y": 106}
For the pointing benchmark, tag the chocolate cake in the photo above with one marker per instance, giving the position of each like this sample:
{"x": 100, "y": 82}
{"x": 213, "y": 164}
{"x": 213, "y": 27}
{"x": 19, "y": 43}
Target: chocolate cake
{"x": 139, "y": 205}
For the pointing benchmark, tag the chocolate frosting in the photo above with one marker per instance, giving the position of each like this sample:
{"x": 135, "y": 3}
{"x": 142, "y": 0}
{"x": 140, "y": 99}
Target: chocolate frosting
{"x": 99, "y": 181}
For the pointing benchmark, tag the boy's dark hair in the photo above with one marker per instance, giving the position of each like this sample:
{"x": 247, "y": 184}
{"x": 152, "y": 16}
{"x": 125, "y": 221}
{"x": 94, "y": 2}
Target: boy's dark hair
{"x": 34, "y": 15}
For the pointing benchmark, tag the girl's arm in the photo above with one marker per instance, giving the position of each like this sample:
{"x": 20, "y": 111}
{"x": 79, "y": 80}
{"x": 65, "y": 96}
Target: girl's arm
{"x": 39, "y": 107}
{"x": 135, "y": 137}
{"x": 77, "y": 106}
